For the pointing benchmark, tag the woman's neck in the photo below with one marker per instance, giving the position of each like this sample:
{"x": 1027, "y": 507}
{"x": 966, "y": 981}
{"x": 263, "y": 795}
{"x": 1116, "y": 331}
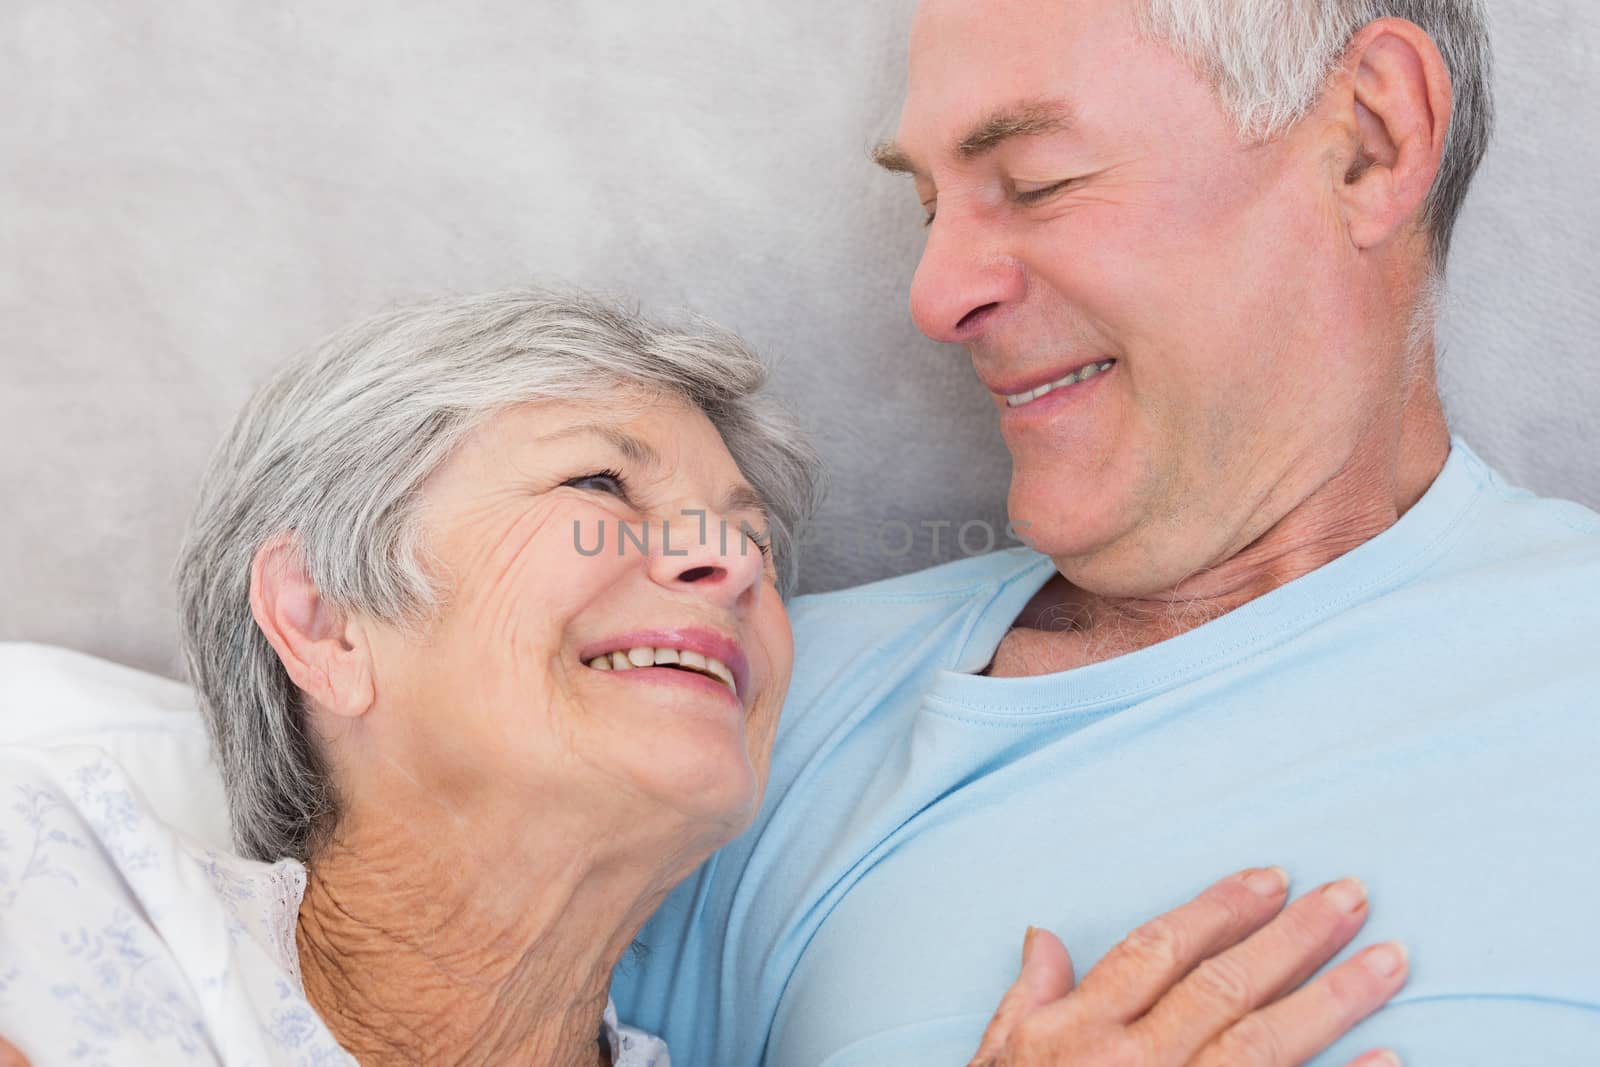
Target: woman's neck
{"x": 464, "y": 953}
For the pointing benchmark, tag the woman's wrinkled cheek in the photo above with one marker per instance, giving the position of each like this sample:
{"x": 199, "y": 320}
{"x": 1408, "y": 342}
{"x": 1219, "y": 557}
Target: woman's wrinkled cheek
{"x": 519, "y": 587}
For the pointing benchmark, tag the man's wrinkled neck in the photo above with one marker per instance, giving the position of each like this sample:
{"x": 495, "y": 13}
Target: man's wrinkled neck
{"x": 1067, "y": 626}
{"x": 414, "y": 948}
{"x": 1362, "y": 500}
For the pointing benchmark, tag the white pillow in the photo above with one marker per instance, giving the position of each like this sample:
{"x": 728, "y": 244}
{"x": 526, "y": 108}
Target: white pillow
{"x": 148, "y": 724}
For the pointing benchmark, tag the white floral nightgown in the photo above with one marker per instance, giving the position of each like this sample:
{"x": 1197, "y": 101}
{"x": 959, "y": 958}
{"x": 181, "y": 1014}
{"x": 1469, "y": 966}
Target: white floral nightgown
{"x": 124, "y": 942}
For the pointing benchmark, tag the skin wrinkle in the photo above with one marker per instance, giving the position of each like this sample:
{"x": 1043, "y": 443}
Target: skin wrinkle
{"x": 507, "y": 555}
{"x": 334, "y": 930}
{"x": 401, "y": 1029}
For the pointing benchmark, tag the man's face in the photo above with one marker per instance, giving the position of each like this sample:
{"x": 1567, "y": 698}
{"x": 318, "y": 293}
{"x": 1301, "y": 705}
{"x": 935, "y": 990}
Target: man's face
{"x": 1094, "y": 207}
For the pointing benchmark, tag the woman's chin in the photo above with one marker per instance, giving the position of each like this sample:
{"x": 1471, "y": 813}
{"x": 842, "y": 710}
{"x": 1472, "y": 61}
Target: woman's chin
{"x": 689, "y": 752}
{"x": 714, "y": 784}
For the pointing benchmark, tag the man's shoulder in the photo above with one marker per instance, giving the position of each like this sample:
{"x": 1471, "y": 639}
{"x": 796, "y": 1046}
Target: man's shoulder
{"x": 1514, "y": 505}
{"x": 1537, "y": 538}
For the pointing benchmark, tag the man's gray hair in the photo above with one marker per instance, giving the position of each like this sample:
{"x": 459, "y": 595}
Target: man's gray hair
{"x": 334, "y": 450}
{"x": 1270, "y": 60}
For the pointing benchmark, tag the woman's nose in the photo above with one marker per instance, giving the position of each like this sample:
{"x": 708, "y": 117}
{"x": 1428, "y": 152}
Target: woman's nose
{"x": 708, "y": 556}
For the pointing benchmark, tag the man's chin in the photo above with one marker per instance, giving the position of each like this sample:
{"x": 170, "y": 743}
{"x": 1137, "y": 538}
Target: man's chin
{"x": 1061, "y": 520}
{"x": 1126, "y": 566}
{"x": 1097, "y": 550}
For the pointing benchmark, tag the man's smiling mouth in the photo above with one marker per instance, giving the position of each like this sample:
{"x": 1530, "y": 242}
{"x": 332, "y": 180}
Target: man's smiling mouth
{"x": 1082, "y": 374}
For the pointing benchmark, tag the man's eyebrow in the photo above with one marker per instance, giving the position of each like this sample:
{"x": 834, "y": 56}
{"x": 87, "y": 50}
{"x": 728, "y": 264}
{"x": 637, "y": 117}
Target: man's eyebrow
{"x": 893, "y": 158}
{"x": 1028, "y": 118}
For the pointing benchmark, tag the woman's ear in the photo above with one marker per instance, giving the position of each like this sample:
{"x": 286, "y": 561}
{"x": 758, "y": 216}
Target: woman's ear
{"x": 1394, "y": 104}
{"x": 326, "y": 653}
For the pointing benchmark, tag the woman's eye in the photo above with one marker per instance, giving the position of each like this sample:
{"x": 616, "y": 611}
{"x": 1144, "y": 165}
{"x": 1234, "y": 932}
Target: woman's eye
{"x": 762, "y": 539}
{"x": 601, "y": 482}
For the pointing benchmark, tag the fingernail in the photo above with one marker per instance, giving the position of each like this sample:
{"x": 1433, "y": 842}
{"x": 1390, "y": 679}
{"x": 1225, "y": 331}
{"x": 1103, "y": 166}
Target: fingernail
{"x": 1268, "y": 881}
{"x": 1381, "y": 1059}
{"x": 1027, "y": 942}
{"x": 1385, "y": 961}
{"x": 1349, "y": 895}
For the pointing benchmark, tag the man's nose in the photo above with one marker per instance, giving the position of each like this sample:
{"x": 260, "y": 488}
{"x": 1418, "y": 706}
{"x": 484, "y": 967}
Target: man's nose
{"x": 964, "y": 279}
{"x": 708, "y": 556}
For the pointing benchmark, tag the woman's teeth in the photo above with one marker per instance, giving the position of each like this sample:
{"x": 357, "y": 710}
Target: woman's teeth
{"x": 666, "y": 657}
{"x": 1082, "y": 374}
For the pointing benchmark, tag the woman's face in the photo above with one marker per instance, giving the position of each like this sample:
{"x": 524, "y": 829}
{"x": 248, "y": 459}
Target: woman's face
{"x": 582, "y": 549}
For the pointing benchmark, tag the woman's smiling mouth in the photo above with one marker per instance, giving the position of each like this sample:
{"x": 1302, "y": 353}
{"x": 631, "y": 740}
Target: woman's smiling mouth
{"x": 687, "y": 652}
{"x": 682, "y": 659}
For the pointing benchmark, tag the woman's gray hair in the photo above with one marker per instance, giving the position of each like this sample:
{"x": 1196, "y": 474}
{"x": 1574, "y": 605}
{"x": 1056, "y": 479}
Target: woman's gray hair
{"x": 1270, "y": 60}
{"x": 334, "y": 450}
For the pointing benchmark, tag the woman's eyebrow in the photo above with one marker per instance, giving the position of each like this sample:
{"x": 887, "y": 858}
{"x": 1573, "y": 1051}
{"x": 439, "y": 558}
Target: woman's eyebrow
{"x": 631, "y": 447}
{"x": 743, "y": 498}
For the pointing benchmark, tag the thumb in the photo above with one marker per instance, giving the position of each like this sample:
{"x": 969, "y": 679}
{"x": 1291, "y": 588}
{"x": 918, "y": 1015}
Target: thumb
{"x": 1046, "y": 977}
{"x": 1046, "y": 967}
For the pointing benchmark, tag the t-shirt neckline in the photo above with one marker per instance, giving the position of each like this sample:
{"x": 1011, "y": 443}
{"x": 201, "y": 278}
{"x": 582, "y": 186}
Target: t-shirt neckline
{"x": 1382, "y": 563}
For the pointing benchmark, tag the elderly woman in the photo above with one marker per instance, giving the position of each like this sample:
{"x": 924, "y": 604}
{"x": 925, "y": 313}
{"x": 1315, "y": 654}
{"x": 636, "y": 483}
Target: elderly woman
{"x": 447, "y": 669}
{"x": 482, "y": 604}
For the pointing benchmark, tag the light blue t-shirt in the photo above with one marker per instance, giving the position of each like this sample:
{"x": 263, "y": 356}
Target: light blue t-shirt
{"x": 1423, "y": 712}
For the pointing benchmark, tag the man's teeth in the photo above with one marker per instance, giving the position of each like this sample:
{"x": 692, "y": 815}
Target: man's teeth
{"x": 662, "y": 657}
{"x": 1082, "y": 374}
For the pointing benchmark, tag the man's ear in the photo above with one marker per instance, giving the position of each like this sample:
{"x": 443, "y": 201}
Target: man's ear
{"x": 326, "y": 654}
{"x": 1395, "y": 102}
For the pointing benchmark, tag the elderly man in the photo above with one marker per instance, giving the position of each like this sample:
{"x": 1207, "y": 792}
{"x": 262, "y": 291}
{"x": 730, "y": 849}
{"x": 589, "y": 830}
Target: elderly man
{"x": 1275, "y": 613}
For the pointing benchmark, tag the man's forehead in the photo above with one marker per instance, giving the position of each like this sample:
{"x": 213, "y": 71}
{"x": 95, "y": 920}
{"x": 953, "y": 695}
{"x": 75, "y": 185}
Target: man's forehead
{"x": 998, "y": 14}
{"x": 982, "y": 71}
{"x": 976, "y": 31}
